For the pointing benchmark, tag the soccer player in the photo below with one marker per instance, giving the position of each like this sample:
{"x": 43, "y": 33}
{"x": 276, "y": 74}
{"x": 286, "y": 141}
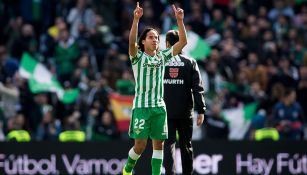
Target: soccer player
{"x": 149, "y": 113}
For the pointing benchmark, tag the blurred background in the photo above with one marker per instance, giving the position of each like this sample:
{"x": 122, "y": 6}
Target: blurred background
{"x": 64, "y": 67}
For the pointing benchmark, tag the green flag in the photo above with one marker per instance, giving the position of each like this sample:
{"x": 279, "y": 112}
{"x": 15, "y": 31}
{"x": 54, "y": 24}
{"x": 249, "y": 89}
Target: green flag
{"x": 239, "y": 120}
{"x": 41, "y": 80}
{"x": 196, "y": 48}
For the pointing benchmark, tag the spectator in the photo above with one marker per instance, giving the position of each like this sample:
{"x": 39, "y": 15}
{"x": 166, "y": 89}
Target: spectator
{"x": 255, "y": 71}
{"x": 35, "y": 112}
{"x": 212, "y": 79}
{"x": 105, "y": 127}
{"x": 2, "y": 136}
{"x": 259, "y": 121}
{"x": 83, "y": 73}
{"x": 49, "y": 128}
{"x": 113, "y": 65}
{"x": 9, "y": 95}
{"x": 72, "y": 130}
{"x": 217, "y": 21}
{"x": 280, "y": 8}
{"x": 216, "y": 126}
{"x": 26, "y": 42}
{"x": 302, "y": 90}
{"x": 302, "y": 29}
{"x": 99, "y": 93}
{"x": 287, "y": 70}
{"x": 8, "y": 65}
{"x": 17, "y": 129}
{"x": 49, "y": 39}
{"x": 212, "y": 37}
{"x": 13, "y": 30}
{"x": 196, "y": 19}
{"x": 81, "y": 14}
{"x": 288, "y": 116}
{"x": 126, "y": 85}
{"x": 281, "y": 28}
{"x": 100, "y": 38}
{"x": 66, "y": 53}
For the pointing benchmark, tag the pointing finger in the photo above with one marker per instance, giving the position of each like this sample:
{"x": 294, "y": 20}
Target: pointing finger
{"x": 137, "y": 4}
{"x": 174, "y": 8}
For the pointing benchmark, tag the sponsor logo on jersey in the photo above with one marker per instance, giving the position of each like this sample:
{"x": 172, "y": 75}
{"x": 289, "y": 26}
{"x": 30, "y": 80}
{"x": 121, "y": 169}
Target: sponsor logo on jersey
{"x": 174, "y": 63}
{"x": 173, "y": 81}
{"x": 173, "y": 72}
{"x": 153, "y": 64}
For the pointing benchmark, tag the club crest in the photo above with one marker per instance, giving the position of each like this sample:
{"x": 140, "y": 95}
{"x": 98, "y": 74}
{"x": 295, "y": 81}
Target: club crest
{"x": 173, "y": 72}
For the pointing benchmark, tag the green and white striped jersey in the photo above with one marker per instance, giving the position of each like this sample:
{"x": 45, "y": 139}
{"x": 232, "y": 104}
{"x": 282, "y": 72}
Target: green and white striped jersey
{"x": 149, "y": 74}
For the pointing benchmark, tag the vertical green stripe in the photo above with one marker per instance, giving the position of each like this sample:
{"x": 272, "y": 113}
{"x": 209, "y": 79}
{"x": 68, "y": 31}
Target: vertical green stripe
{"x": 138, "y": 84}
{"x": 157, "y": 86}
{"x": 137, "y": 57}
{"x": 144, "y": 83}
{"x": 167, "y": 54}
{"x": 161, "y": 82}
{"x": 150, "y": 87}
{"x": 168, "y": 57}
{"x": 166, "y": 50}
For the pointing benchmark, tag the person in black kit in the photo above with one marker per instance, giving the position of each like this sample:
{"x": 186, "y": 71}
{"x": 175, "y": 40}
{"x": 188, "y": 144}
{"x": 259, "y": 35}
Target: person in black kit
{"x": 182, "y": 84}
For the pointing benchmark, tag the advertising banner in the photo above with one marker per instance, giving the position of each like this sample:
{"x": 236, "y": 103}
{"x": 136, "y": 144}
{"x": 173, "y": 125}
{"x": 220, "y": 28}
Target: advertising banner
{"x": 211, "y": 157}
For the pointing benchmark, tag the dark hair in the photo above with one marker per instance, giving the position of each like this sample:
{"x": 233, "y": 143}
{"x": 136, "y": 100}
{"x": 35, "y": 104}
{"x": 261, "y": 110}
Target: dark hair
{"x": 288, "y": 91}
{"x": 172, "y": 37}
{"x": 143, "y": 37}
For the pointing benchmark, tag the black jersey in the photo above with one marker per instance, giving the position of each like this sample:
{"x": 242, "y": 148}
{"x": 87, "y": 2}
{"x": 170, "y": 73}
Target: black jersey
{"x": 183, "y": 87}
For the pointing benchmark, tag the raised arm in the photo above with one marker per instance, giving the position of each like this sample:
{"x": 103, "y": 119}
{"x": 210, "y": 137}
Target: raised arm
{"x": 179, "y": 14}
{"x": 137, "y": 14}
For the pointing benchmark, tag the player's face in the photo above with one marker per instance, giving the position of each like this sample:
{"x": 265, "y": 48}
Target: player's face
{"x": 151, "y": 41}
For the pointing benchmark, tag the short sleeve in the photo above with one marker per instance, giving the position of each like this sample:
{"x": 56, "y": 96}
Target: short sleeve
{"x": 136, "y": 58}
{"x": 167, "y": 53}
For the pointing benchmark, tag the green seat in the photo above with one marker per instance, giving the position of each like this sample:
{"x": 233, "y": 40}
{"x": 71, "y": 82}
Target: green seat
{"x": 19, "y": 136}
{"x": 266, "y": 134}
{"x": 72, "y": 136}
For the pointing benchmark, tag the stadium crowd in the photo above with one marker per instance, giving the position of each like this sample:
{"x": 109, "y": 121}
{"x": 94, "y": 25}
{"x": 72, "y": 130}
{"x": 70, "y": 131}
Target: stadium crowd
{"x": 258, "y": 54}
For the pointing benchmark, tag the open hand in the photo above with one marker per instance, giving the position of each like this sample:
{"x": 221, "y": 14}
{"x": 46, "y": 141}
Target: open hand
{"x": 200, "y": 119}
{"x": 138, "y": 11}
{"x": 179, "y": 14}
